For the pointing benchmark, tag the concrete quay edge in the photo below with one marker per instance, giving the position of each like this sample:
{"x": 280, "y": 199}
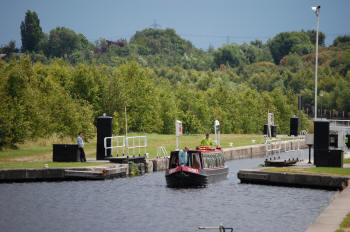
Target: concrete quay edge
{"x": 319, "y": 181}
{"x": 62, "y": 174}
{"x": 332, "y": 216}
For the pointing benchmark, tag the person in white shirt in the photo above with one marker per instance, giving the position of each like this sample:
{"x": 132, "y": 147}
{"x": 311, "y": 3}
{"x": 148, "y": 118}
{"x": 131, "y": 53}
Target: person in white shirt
{"x": 81, "y": 147}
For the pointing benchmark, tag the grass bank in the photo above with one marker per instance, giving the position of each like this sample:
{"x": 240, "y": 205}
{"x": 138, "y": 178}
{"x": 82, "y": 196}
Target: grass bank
{"x": 318, "y": 170}
{"x": 41, "y": 150}
{"x": 34, "y": 154}
{"x": 345, "y": 225}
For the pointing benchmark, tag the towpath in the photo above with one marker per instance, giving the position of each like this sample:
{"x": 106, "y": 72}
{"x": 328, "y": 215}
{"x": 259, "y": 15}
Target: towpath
{"x": 333, "y": 215}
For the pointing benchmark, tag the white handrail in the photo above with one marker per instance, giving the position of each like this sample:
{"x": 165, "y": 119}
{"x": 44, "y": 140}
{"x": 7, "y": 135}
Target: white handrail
{"x": 133, "y": 146}
{"x": 275, "y": 146}
{"x": 289, "y": 148}
{"x": 343, "y": 123}
{"x": 162, "y": 150}
{"x": 117, "y": 146}
{"x": 272, "y": 146}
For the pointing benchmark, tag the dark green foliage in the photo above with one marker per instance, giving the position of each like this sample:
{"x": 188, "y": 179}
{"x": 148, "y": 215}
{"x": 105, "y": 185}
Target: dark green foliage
{"x": 342, "y": 41}
{"x": 63, "y": 42}
{"x": 321, "y": 37}
{"x": 256, "y": 52}
{"x": 230, "y": 55}
{"x": 286, "y": 42}
{"x": 233, "y": 55}
{"x": 156, "y": 41}
{"x": 10, "y": 48}
{"x": 31, "y": 33}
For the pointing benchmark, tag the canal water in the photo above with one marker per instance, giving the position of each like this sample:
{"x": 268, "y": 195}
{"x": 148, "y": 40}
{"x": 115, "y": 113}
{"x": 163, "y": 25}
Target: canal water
{"x": 144, "y": 203}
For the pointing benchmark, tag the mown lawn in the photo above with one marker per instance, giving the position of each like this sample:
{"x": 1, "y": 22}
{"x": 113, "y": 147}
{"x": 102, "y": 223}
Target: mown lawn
{"x": 41, "y": 150}
{"x": 33, "y": 154}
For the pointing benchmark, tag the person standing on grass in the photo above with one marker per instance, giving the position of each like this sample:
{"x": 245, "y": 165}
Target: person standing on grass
{"x": 81, "y": 147}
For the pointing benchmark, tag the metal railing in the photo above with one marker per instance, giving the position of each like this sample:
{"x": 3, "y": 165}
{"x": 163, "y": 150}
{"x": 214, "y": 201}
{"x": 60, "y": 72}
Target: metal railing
{"x": 221, "y": 228}
{"x": 340, "y": 123}
{"x": 162, "y": 151}
{"x": 117, "y": 141}
{"x": 288, "y": 146}
{"x": 130, "y": 144}
{"x": 272, "y": 146}
{"x": 120, "y": 143}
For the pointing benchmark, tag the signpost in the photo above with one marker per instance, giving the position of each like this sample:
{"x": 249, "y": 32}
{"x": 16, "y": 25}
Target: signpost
{"x": 217, "y": 132}
{"x": 270, "y": 122}
{"x": 178, "y": 126}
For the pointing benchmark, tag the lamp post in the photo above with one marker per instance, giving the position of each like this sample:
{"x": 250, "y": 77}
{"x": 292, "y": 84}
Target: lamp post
{"x": 316, "y": 9}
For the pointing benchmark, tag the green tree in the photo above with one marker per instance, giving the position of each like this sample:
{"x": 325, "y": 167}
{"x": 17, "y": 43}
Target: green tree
{"x": 63, "y": 41}
{"x": 31, "y": 32}
{"x": 256, "y": 53}
{"x": 286, "y": 42}
{"x": 168, "y": 111}
{"x": 134, "y": 88}
{"x": 321, "y": 37}
{"x": 230, "y": 55}
{"x": 10, "y": 48}
{"x": 342, "y": 41}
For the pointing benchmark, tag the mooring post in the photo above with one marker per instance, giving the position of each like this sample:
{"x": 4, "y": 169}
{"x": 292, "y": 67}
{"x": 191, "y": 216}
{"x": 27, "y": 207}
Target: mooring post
{"x": 310, "y": 153}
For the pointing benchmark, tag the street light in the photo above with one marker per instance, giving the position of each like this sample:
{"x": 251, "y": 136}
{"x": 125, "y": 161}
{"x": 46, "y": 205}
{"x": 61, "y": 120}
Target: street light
{"x": 316, "y": 9}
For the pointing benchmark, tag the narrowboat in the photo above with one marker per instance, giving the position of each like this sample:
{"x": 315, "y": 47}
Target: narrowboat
{"x": 205, "y": 165}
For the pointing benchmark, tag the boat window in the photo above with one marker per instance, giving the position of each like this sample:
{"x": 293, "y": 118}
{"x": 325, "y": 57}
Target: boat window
{"x": 174, "y": 160}
{"x": 196, "y": 161}
{"x": 213, "y": 160}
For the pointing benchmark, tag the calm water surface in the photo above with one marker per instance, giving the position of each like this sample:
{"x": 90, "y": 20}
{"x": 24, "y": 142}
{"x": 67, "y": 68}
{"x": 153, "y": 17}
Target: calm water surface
{"x": 145, "y": 204}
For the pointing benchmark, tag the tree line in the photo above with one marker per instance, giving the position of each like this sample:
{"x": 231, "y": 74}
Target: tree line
{"x": 63, "y": 82}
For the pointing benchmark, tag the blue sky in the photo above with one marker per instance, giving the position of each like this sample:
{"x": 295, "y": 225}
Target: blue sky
{"x": 203, "y": 22}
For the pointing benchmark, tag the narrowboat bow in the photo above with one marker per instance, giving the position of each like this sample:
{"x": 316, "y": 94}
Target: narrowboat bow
{"x": 204, "y": 165}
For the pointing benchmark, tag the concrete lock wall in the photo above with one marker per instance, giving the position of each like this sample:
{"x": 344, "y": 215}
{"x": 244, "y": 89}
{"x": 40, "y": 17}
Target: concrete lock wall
{"x": 160, "y": 164}
{"x": 8, "y": 175}
{"x": 246, "y": 152}
{"x": 256, "y": 151}
{"x": 149, "y": 166}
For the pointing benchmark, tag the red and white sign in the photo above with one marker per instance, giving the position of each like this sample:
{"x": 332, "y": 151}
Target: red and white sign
{"x": 189, "y": 169}
{"x": 178, "y": 125}
{"x": 173, "y": 170}
{"x": 185, "y": 169}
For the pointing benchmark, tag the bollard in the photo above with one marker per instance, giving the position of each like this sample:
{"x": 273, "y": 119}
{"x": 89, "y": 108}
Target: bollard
{"x": 104, "y": 129}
